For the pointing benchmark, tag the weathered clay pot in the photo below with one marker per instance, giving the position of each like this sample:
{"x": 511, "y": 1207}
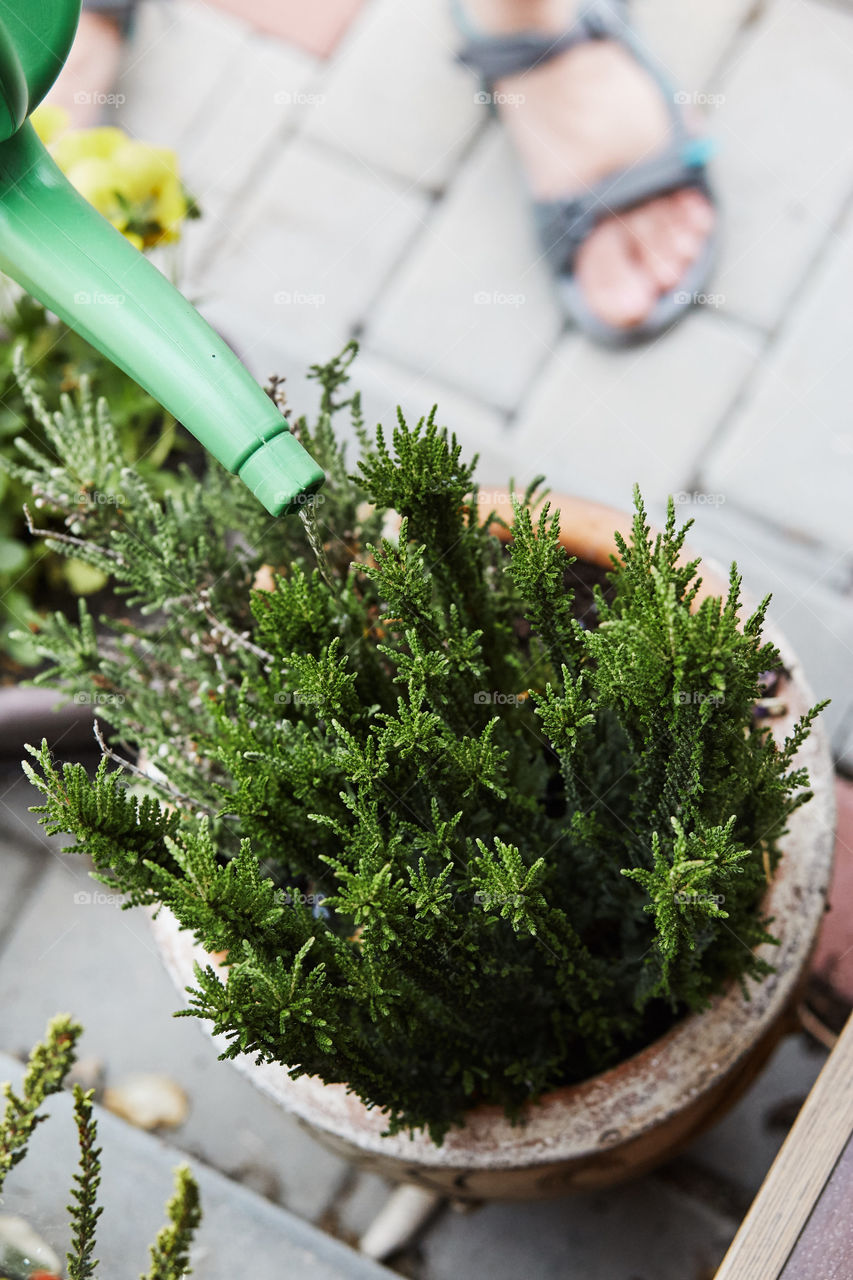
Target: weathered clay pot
{"x": 630, "y": 1118}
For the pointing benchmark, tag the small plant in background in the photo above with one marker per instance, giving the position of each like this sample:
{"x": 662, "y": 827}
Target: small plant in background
{"x": 456, "y": 828}
{"x": 138, "y": 188}
{"x": 49, "y": 1065}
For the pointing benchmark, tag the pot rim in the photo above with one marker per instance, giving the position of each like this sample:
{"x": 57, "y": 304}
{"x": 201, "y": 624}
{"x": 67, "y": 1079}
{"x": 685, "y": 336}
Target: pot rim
{"x": 696, "y": 1055}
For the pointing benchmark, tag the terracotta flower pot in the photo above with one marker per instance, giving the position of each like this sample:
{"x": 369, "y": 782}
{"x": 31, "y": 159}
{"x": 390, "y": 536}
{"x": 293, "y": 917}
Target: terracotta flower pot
{"x": 626, "y": 1120}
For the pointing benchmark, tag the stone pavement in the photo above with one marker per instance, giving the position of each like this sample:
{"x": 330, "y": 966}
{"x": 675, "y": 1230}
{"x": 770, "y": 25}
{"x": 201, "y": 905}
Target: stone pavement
{"x": 352, "y": 186}
{"x": 241, "y": 1233}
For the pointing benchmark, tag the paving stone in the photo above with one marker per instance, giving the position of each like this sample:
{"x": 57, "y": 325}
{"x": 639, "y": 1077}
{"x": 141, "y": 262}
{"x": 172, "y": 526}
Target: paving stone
{"x": 472, "y": 304}
{"x": 270, "y": 92}
{"x": 72, "y": 949}
{"x": 317, "y": 28}
{"x": 742, "y": 1147}
{"x": 646, "y": 1231}
{"x": 788, "y": 454}
{"x": 22, "y": 854}
{"x": 307, "y": 253}
{"x": 178, "y": 57}
{"x": 598, "y": 420}
{"x": 833, "y": 959}
{"x": 241, "y": 1234}
{"x": 689, "y": 37}
{"x": 783, "y": 169}
{"x": 19, "y": 827}
{"x": 396, "y": 99}
{"x": 807, "y": 605}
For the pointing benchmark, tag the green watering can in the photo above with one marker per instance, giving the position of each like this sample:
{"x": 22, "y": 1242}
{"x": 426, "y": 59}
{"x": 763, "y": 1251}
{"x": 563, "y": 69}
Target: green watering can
{"x": 64, "y": 253}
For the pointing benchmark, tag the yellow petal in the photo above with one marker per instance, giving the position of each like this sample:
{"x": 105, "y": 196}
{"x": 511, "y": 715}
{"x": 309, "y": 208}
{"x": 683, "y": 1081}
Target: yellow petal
{"x": 49, "y": 121}
{"x": 145, "y": 170}
{"x": 83, "y": 144}
{"x": 95, "y": 179}
{"x": 171, "y": 207}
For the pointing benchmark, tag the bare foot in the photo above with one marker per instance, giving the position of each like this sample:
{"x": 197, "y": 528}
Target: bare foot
{"x": 578, "y": 117}
{"x": 86, "y": 82}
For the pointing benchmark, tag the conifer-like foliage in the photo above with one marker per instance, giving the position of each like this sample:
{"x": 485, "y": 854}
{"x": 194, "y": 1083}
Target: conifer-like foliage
{"x": 49, "y": 1064}
{"x": 460, "y": 839}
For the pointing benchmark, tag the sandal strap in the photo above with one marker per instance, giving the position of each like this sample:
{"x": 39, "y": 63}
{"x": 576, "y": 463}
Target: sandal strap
{"x": 495, "y": 56}
{"x": 564, "y": 225}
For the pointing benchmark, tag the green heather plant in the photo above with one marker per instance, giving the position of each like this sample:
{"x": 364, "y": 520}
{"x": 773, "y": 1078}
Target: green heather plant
{"x": 30, "y": 577}
{"x": 462, "y": 839}
{"x": 49, "y": 1064}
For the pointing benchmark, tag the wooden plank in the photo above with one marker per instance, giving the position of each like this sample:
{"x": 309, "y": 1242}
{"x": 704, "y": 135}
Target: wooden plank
{"x": 825, "y": 1249}
{"x": 798, "y": 1175}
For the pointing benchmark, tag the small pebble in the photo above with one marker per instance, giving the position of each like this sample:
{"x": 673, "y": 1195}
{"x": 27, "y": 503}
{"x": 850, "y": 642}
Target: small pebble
{"x": 148, "y": 1102}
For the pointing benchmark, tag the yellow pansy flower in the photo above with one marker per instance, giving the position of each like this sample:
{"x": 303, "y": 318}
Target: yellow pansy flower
{"x": 135, "y": 185}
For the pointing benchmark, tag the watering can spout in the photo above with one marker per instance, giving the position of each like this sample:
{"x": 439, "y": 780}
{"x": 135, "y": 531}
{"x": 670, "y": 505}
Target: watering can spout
{"x": 54, "y": 244}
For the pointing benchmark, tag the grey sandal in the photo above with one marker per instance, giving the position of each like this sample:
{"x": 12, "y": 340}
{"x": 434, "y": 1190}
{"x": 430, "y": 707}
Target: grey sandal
{"x": 563, "y": 225}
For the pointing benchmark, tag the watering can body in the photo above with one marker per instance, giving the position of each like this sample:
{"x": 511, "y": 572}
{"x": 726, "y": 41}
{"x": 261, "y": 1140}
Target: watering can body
{"x": 54, "y": 244}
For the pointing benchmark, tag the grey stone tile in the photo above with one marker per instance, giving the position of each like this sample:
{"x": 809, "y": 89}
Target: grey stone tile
{"x": 784, "y": 168}
{"x": 178, "y": 56}
{"x": 22, "y": 853}
{"x": 788, "y": 453}
{"x": 267, "y": 92}
{"x": 307, "y": 253}
{"x": 689, "y": 37}
{"x": 597, "y": 420}
{"x": 742, "y": 1147}
{"x": 472, "y": 304}
{"x": 645, "y": 1231}
{"x": 396, "y": 99}
{"x": 241, "y": 1233}
{"x": 73, "y": 949}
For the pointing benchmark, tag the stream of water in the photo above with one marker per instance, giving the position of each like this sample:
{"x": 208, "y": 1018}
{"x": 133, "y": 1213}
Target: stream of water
{"x": 308, "y": 516}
